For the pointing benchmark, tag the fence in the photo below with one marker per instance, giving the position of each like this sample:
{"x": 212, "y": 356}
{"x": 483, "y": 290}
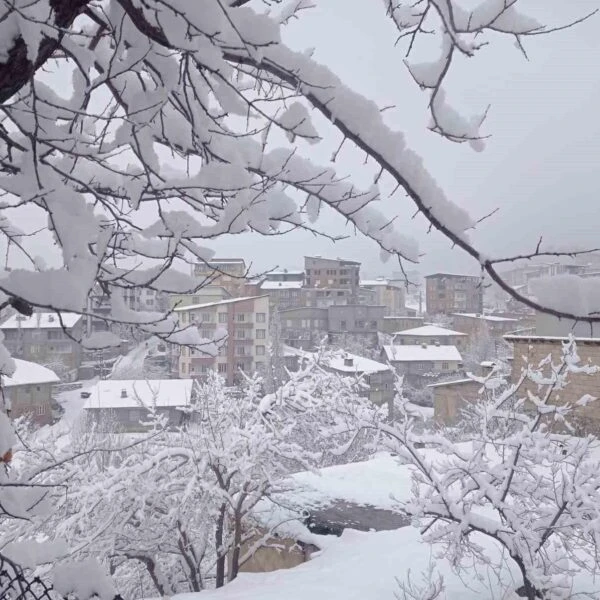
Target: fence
{"x": 16, "y": 584}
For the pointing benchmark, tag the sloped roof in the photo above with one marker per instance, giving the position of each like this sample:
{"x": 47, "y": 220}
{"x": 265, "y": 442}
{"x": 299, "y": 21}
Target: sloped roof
{"x": 494, "y": 318}
{"x": 165, "y": 392}
{"x": 360, "y": 364}
{"x": 218, "y": 303}
{"x": 421, "y": 353}
{"x": 430, "y": 331}
{"x": 29, "y": 373}
{"x": 45, "y": 320}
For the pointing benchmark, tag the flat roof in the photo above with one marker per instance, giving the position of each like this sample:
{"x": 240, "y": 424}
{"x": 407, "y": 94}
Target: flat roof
{"x": 550, "y": 338}
{"x": 485, "y": 317}
{"x": 430, "y": 331}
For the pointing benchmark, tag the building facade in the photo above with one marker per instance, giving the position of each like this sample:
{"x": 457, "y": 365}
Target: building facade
{"x": 391, "y": 325}
{"x": 240, "y": 328}
{"x": 451, "y": 398}
{"x": 446, "y": 294}
{"x": 47, "y": 339}
{"x": 209, "y": 293}
{"x": 358, "y": 321}
{"x": 304, "y": 328}
{"x": 283, "y": 294}
{"x": 229, "y": 273}
{"x": 387, "y": 293}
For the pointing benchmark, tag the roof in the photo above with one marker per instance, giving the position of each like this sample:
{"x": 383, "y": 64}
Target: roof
{"x": 359, "y": 364}
{"x": 421, "y": 352}
{"x": 453, "y": 382}
{"x": 218, "y": 303}
{"x": 29, "y": 373}
{"x": 485, "y": 317}
{"x": 45, "y": 320}
{"x": 340, "y": 260}
{"x": 429, "y": 331}
{"x": 451, "y": 275}
{"x": 406, "y": 317}
{"x": 281, "y": 285}
{"x": 285, "y": 272}
{"x": 214, "y": 261}
{"x": 379, "y": 281}
{"x": 165, "y": 392}
{"x": 549, "y": 338}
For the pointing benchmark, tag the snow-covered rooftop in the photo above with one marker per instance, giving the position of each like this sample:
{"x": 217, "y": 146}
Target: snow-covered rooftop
{"x": 45, "y": 320}
{"x": 373, "y": 282}
{"x": 165, "y": 392}
{"x": 430, "y": 331}
{"x": 450, "y": 383}
{"x": 359, "y": 364}
{"x": 281, "y": 285}
{"x": 218, "y": 303}
{"x": 486, "y": 317}
{"x": 29, "y": 373}
{"x": 285, "y": 272}
{"x": 421, "y": 353}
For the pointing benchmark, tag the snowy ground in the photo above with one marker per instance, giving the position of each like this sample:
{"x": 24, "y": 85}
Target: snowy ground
{"x": 364, "y": 566}
{"x": 72, "y": 402}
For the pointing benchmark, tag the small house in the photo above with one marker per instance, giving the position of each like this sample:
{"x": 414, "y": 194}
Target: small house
{"x": 431, "y": 334}
{"x": 126, "y": 403}
{"x": 28, "y": 392}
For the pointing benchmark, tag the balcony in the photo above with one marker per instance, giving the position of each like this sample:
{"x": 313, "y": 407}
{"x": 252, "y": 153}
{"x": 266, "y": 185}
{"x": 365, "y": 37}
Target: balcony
{"x": 243, "y": 325}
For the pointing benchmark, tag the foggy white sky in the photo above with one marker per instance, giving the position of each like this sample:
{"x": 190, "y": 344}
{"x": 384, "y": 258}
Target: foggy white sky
{"x": 539, "y": 166}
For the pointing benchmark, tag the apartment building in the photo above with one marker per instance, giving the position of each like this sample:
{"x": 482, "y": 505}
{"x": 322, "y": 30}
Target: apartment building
{"x": 229, "y": 273}
{"x": 241, "y": 328}
{"x": 304, "y": 327}
{"x": 393, "y": 324}
{"x": 283, "y": 294}
{"x": 446, "y": 294}
{"x": 337, "y": 275}
{"x": 48, "y": 339}
{"x": 357, "y": 321}
{"x": 205, "y": 295}
{"x": 387, "y": 293}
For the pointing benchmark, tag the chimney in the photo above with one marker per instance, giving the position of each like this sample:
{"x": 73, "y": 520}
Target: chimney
{"x": 348, "y": 362}
{"x": 123, "y": 393}
{"x": 437, "y": 342}
{"x": 50, "y": 318}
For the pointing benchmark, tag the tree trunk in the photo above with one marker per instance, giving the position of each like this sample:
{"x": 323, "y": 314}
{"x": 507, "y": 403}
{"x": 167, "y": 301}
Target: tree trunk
{"x": 237, "y": 542}
{"x": 221, "y": 556}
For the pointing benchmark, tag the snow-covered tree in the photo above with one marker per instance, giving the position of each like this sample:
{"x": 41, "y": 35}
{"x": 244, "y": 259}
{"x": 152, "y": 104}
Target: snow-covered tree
{"x": 518, "y": 478}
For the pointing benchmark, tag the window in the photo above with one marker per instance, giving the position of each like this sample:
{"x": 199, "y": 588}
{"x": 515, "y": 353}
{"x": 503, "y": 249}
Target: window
{"x": 222, "y": 368}
{"x": 195, "y": 299}
{"x": 55, "y": 335}
{"x": 184, "y": 351}
{"x": 259, "y": 366}
{"x": 241, "y": 317}
{"x": 240, "y": 350}
{"x": 222, "y": 317}
{"x": 206, "y": 317}
{"x": 340, "y": 293}
{"x": 260, "y": 350}
{"x": 261, "y": 317}
{"x": 445, "y": 366}
{"x": 421, "y": 366}
{"x": 204, "y": 369}
{"x": 133, "y": 414}
{"x": 240, "y": 334}
{"x": 205, "y": 333}
{"x": 260, "y": 334}
{"x": 342, "y": 324}
{"x": 359, "y": 324}
{"x": 192, "y": 369}
{"x": 240, "y": 366}
{"x": 40, "y": 409}
{"x": 184, "y": 367}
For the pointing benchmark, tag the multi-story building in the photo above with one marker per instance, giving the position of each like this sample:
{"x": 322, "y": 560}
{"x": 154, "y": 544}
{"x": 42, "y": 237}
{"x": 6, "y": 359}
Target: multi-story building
{"x": 477, "y": 324}
{"x": 355, "y": 321}
{"x": 388, "y": 293}
{"x": 447, "y": 294}
{"x": 240, "y": 327}
{"x": 391, "y": 325}
{"x": 336, "y": 275}
{"x": 304, "y": 327}
{"x": 229, "y": 273}
{"x": 46, "y": 338}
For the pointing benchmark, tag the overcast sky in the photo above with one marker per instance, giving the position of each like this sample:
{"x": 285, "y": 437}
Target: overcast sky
{"x": 540, "y": 166}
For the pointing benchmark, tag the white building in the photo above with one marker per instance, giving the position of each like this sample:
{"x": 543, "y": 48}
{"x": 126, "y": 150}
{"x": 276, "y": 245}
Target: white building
{"x": 431, "y": 334}
{"x": 419, "y": 361}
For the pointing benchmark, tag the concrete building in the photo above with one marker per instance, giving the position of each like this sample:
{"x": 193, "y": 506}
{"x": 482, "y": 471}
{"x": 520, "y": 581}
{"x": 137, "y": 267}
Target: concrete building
{"x": 387, "y": 293}
{"x": 446, "y": 294}
{"x": 229, "y": 273}
{"x": 391, "y": 325}
{"x": 431, "y": 335}
{"x": 28, "y": 392}
{"x": 422, "y": 363}
{"x": 123, "y": 404}
{"x": 48, "y": 339}
{"x": 359, "y": 322}
{"x": 451, "y": 398}
{"x": 305, "y": 327}
{"x": 283, "y": 294}
{"x": 532, "y": 349}
{"x": 241, "y": 328}
{"x": 379, "y": 377}
{"x": 337, "y": 275}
